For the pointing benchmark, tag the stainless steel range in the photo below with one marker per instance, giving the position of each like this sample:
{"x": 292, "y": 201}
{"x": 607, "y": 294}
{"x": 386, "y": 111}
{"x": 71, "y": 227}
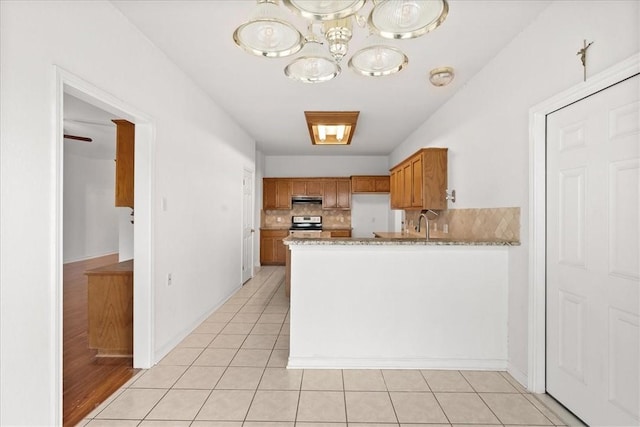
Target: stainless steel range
{"x": 307, "y": 226}
{"x": 307, "y": 223}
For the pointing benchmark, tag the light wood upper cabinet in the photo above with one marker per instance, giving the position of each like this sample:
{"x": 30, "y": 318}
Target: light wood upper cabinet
{"x": 337, "y": 194}
{"x": 125, "y": 149}
{"x": 276, "y": 193}
{"x": 407, "y": 192}
{"x": 420, "y": 182}
{"x": 306, "y": 187}
{"x": 370, "y": 184}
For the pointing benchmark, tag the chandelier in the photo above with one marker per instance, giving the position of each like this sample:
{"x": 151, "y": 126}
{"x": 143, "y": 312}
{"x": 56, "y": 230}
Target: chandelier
{"x": 330, "y": 23}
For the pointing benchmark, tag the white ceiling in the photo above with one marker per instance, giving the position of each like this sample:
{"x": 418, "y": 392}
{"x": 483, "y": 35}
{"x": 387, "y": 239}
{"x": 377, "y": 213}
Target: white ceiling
{"x": 86, "y": 120}
{"x": 197, "y": 36}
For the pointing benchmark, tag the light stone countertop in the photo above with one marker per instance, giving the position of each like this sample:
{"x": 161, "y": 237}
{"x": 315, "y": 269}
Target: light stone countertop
{"x": 401, "y": 239}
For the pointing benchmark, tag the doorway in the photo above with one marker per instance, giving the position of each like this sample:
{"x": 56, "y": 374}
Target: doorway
{"x": 573, "y": 242}
{"x": 69, "y": 84}
{"x": 96, "y": 234}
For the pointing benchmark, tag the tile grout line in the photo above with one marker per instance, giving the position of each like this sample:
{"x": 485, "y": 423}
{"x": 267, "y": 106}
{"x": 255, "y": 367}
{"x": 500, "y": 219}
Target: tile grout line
{"x": 395, "y": 412}
{"x": 436, "y": 397}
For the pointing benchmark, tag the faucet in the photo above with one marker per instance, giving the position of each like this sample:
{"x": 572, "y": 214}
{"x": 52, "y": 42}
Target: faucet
{"x": 423, "y": 214}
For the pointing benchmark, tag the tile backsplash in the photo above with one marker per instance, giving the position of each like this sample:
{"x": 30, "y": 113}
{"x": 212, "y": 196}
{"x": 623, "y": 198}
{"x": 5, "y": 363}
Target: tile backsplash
{"x": 480, "y": 224}
{"x": 330, "y": 218}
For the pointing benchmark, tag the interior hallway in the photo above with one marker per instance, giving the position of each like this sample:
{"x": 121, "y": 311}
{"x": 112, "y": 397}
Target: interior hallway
{"x": 231, "y": 369}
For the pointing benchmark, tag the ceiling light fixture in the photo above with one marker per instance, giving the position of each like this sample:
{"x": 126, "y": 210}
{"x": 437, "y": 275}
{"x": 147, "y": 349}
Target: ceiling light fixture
{"x": 441, "y": 76}
{"x": 331, "y": 127}
{"x": 268, "y": 34}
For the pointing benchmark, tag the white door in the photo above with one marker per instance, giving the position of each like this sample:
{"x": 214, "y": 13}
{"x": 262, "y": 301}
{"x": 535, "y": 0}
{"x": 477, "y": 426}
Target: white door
{"x": 247, "y": 226}
{"x": 593, "y": 256}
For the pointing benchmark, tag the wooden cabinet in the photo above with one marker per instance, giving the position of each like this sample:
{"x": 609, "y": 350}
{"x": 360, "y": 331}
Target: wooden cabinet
{"x": 276, "y": 193}
{"x": 125, "y": 149}
{"x": 341, "y": 232}
{"x": 272, "y": 250}
{"x": 306, "y": 187}
{"x": 110, "y": 300}
{"x": 397, "y": 185}
{"x": 420, "y": 182}
{"x": 337, "y": 194}
{"x": 370, "y": 184}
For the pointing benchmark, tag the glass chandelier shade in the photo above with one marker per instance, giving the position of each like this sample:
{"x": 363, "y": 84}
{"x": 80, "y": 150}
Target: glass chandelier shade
{"x": 325, "y": 10}
{"x": 267, "y": 33}
{"x": 377, "y": 61}
{"x": 405, "y": 19}
{"x": 314, "y": 66}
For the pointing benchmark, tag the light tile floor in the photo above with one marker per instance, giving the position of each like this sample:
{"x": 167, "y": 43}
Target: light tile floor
{"x": 230, "y": 372}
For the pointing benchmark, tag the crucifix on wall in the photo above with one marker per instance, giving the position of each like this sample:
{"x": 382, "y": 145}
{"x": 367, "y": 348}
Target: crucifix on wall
{"x": 583, "y": 57}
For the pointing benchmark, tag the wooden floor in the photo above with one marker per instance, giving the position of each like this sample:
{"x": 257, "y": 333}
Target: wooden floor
{"x": 87, "y": 380}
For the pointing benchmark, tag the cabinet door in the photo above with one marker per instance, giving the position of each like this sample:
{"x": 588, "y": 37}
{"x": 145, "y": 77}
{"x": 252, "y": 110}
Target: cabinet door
{"x": 407, "y": 193}
{"x": 416, "y": 182}
{"x": 280, "y": 251}
{"x": 398, "y": 189}
{"x": 330, "y": 196}
{"x": 382, "y": 184}
{"x": 298, "y": 188}
{"x": 435, "y": 179}
{"x": 283, "y": 194}
{"x": 125, "y": 148}
{"x": 272, "y": 249}
{"x": 394, "y": 191}
{"x": 340, "y": 233}
{"x": 267, "y": 254}
{"x": 314, "y": 188}
{"x": 344, "y": 194}
{"x": 363, "y": 184}
{"x": 269, "y": 194}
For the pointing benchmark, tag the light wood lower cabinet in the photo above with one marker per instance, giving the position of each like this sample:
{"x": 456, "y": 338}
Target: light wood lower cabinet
{"x": 341, "y": 233}
{"x": 110, "y": 298}
{"x": 272, "y": 250}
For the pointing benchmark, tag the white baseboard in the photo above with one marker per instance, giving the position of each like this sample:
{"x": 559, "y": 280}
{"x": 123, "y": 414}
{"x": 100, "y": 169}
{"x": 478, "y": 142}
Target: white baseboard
{"x": 348, "y": 363}
{"x": 165, "y": 349}
{"x": 87, "y": 257}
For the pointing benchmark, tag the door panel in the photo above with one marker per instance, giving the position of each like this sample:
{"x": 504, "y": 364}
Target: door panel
{"x": 593, "y": 256}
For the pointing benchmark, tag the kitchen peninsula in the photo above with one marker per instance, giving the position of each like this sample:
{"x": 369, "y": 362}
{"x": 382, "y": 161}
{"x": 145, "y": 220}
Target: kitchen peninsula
{"x": 398, "y": 303}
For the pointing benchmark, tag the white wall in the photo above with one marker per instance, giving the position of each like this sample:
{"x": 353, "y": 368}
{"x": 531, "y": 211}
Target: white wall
{"x": 199, "y": 157}
{"x": 485, "y": 125}
{"x": 258, "y": 206}
{"x": 125, "y": 234}
{"x": 90, "y": 217}
{"x": 369, "y": 213}
{"x": 321, "y": 166}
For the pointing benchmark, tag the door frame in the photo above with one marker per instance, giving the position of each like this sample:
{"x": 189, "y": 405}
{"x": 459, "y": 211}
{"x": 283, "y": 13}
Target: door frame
{"x": 536, "y": 376}
{"x": 251, "y": 214}
{"x": 143, "y": 324}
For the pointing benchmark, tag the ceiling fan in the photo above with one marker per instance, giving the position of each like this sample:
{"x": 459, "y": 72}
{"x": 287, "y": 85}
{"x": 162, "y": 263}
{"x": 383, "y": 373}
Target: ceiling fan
{"x": 83, "y": 122}
{"x": 78, "y": 138}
